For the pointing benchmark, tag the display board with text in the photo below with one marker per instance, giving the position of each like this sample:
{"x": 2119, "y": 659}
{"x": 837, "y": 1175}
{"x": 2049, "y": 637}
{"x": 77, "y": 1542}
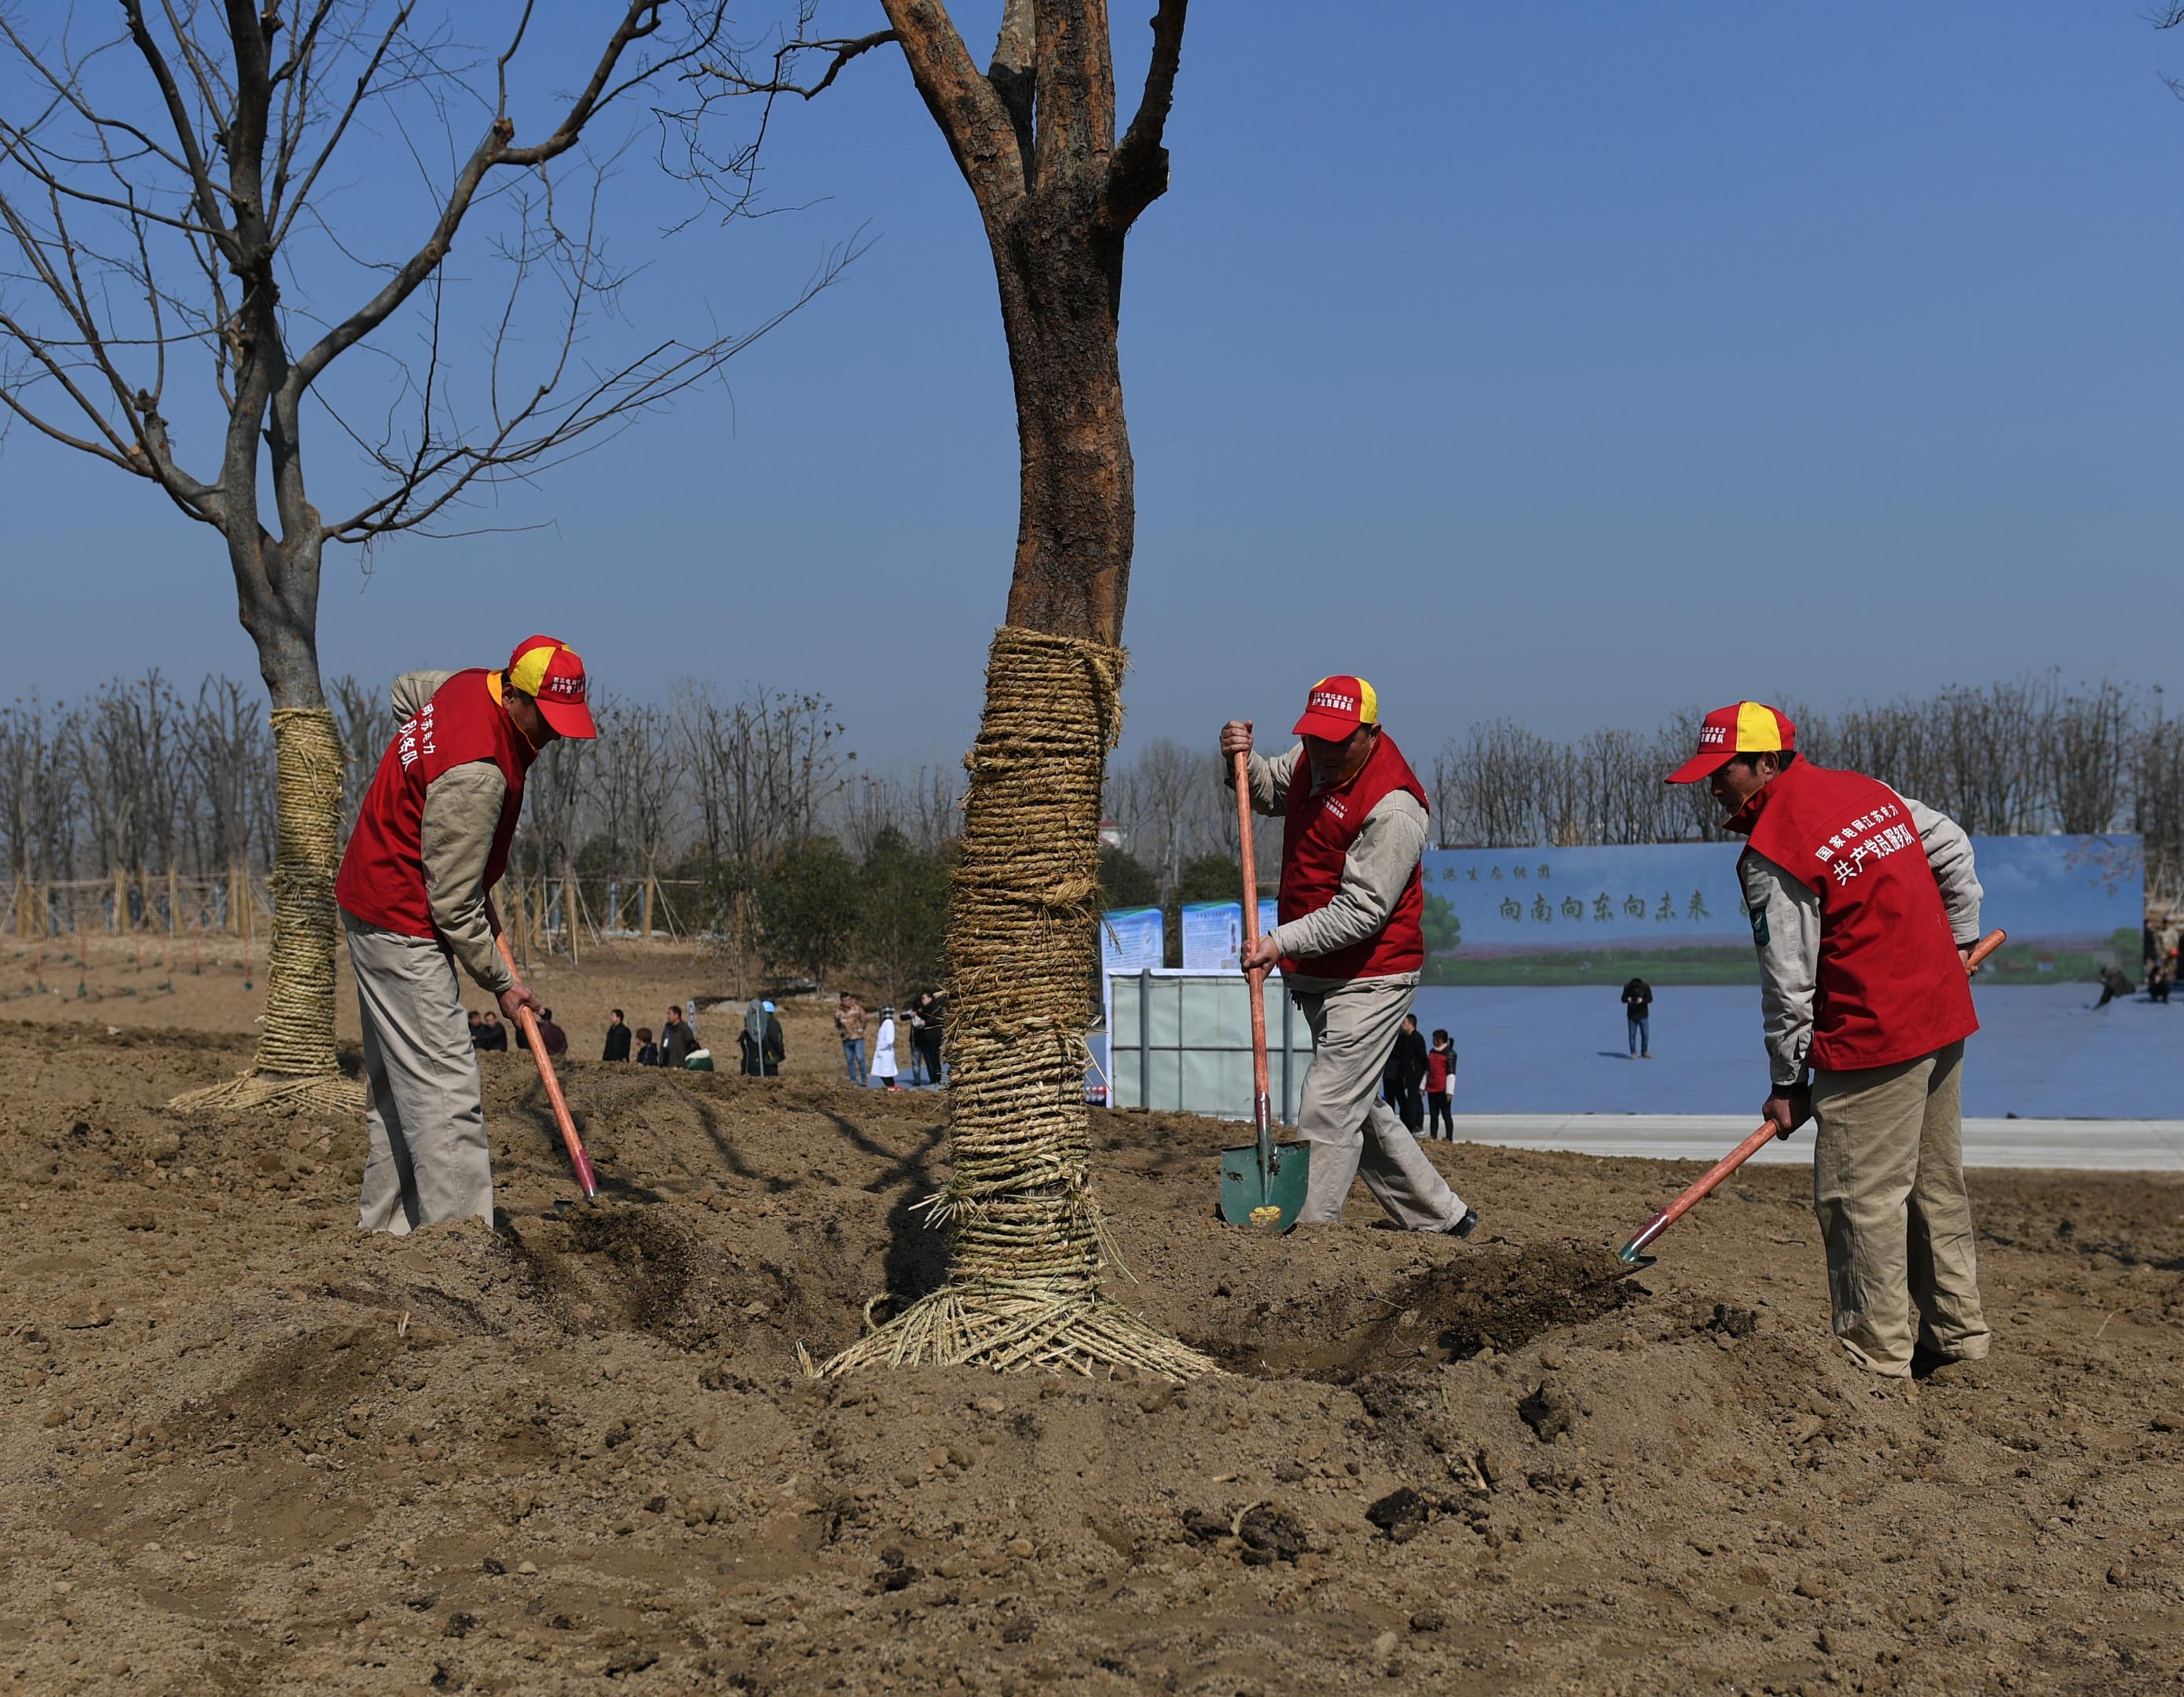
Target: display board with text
{"x": 1674, "y": 913}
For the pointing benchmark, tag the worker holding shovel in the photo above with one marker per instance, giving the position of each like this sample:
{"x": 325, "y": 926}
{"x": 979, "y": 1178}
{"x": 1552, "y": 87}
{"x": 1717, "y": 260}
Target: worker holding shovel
{"x": 431, "y": 839}
{"x": 1865, "y": 909}
{"x": 1350, "y": 944}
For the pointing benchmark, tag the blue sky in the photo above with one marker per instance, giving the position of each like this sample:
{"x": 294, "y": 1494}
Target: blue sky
{"x": 1566, "y": 362}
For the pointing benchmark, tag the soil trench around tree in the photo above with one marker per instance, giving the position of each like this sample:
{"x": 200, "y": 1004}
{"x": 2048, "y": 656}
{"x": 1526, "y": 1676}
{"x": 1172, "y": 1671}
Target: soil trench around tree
{"x": 243, "y": 1449}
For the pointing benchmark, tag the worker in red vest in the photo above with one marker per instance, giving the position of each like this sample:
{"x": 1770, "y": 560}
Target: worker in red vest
{"x": 1350, "y": 944}
{"x": 431, "y": 841}
{"x": 1865, "y": 907}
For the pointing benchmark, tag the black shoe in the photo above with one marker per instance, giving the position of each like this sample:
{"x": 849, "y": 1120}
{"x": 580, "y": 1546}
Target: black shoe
{"x": 1465, "y": 1226}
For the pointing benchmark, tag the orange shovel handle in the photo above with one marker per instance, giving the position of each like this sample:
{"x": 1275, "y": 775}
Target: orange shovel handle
{"x": 562, "y": 1118}
{"x": 1757, "y": 1141}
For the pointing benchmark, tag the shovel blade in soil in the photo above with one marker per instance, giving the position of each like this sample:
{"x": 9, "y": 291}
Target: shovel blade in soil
{"x": 1244, "y": 1195}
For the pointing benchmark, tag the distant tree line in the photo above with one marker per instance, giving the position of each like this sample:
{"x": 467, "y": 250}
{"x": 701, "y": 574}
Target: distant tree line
{"x": 2012, "y": 758}
{"x": 743, "y": 820}
{"x": 746, "y": 819}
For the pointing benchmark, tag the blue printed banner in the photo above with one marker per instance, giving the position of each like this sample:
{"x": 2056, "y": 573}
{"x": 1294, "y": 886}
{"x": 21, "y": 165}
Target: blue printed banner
{"x": 1675, "y": 913}
{"x": 1131, "y": 940}
{"x": 1213, "y": 934}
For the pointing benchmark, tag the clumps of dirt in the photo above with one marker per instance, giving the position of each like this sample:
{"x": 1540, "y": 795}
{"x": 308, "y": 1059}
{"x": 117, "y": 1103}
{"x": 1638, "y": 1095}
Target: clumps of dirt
{"x": 1489, "y": 1298}
{"x": 603, "y": 1268}
{"x": 1260, "y": 1535}
{"x": 1406, "y": 1511}
{"x": 1550, "y": 1410}
{"x": 1502, "y": 1301}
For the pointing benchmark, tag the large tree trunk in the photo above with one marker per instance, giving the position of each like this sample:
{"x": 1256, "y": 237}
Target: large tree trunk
{"x": 278, "y": 596}
{"x": 1061, "y": 301}
{"x": 1024, "y": 1286}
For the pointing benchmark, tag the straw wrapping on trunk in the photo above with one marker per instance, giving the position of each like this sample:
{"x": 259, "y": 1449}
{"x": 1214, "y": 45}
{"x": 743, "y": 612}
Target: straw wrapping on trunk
{"x": 1024, "y": 1286}
{"x": 295, "y": 1065}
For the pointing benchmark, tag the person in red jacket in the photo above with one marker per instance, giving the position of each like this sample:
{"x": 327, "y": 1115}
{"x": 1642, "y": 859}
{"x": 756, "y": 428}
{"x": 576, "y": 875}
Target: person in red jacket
{"x": 1865, "y": 906}
{"x": 1350, "y": 944}
{"x": 431, "y": 841}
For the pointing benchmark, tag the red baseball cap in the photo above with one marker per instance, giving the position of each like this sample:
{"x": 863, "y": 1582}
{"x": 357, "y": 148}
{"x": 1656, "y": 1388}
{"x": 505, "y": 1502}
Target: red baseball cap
{"x": 1740, "y": 727}
{"x": 550, "y": 673}
{"x": 1336, "y": 706}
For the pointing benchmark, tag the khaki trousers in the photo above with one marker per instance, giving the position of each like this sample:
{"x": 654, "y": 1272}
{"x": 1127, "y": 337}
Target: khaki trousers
{"x": 429, "y": 1160}
{"x": 1352, "y": 1132}
{"x": 1888, "y": 1186}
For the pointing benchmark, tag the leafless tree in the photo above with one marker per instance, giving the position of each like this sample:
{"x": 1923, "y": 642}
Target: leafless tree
{"x": 924, "y": 807}
{"x": 1495, "y": 800}
{"x": 165, "y": 198}
{"x": 363, "y": 719}
{"x": 37, "y": 791}
{"x": 1034, "y": 135}
{"x": 229, "y": 757}
{"x": 1623, "y": 795}
{"x": 2157, "y": 803}
{"x": 1160, "y": 794}
{"x": 2087, "y": 766}
{"x": 639, "y": 774}
{"x": 765, "y": 768}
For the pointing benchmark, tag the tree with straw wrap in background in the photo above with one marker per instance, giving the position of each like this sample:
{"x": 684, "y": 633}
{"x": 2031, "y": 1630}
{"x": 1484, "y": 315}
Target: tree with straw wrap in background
{"x": 1034, "y": 136}
{"x": 167, "y": 188}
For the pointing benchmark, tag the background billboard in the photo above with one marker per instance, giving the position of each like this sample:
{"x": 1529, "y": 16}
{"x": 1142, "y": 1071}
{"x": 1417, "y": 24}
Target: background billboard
{"x": 1674, "y": 913}
{"x": 1130, "y": 940}
{"x": 1213, "y": 933}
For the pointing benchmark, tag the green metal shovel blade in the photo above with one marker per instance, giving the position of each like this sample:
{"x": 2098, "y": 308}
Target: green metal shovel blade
{"x": 1243, "y": 1191}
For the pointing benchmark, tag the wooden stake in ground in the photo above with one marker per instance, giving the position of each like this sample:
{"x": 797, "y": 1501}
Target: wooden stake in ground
{"x": 1034, "y": 135}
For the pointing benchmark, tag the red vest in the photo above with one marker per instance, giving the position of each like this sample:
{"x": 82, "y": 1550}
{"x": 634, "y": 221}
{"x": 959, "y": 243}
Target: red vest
{"x": 1316, "y": 838}
{"x": 383, "y": 873}
{"x": 1890, "y": 985}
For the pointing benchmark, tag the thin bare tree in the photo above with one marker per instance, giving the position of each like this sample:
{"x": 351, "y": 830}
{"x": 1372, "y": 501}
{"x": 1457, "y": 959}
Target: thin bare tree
{"x": 166, "y": 200}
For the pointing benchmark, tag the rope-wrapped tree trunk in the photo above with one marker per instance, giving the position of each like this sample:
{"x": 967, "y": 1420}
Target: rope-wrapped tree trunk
{"x": 1024, "y": 1286}
{"x": 296, "y": 1066}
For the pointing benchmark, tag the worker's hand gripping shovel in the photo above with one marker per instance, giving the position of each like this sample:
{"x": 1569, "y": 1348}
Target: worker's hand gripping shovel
{"x": 562, "y": 1118}
{"x": 1633, "y": 1252}
{"x": 1262, "y": 1184}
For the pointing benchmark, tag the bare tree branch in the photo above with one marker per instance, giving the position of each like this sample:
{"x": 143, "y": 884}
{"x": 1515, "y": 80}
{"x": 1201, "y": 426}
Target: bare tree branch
{"x": 1010, "y": 70}
{"x": 202, "y": 189}
{"x": 1137, "y": 176}
{"x": 1073, "y": 95}
{"x": 841, "y": 51}
{"x": 977, "y": 126}
{"x": 285, "y": 209}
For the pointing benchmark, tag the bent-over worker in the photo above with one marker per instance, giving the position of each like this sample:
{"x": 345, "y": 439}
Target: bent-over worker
{"x": 1865, "y": 907}
{"x": 431, "y": 839}
{"x": 1350, "y": 944}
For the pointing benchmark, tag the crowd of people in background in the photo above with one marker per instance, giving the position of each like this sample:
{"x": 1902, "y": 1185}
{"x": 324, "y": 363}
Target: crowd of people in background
{"x": 762, "y": 1044}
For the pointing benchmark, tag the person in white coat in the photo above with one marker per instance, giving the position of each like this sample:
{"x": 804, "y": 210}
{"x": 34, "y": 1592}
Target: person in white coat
{"x": 883, "y": 1067}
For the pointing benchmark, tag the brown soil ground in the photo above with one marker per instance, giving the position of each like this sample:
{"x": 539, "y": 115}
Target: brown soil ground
{"x": 243, "y": 1450}
{"x": 210, "y": 984}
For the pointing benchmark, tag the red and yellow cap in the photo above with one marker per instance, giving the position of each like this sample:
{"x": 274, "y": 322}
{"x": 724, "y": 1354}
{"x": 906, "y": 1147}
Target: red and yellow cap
{"x": 1336, "y": 706}
{"x": 1741, "y": 727}
{"x": 551, "y": 674}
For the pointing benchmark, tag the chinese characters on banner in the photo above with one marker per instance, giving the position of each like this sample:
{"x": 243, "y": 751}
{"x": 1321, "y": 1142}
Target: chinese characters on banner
{"x": 1588, "y": 899}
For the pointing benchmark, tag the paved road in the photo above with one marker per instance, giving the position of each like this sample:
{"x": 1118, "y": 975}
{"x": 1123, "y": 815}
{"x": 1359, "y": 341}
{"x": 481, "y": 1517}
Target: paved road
{"x": 2042, "y": 1053}
{"x": 2085, "y": 1145}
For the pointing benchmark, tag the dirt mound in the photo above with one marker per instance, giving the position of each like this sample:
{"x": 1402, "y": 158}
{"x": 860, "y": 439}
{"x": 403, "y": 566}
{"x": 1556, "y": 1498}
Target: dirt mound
{"x": 1498, "y": 1298}
{"x": 243, "y": 1450}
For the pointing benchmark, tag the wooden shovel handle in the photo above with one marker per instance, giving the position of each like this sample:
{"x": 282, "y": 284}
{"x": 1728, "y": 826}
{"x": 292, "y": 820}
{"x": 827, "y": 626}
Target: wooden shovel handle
{"x": 562, "y": 1118}
{"x": 1261, "y": 1106}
